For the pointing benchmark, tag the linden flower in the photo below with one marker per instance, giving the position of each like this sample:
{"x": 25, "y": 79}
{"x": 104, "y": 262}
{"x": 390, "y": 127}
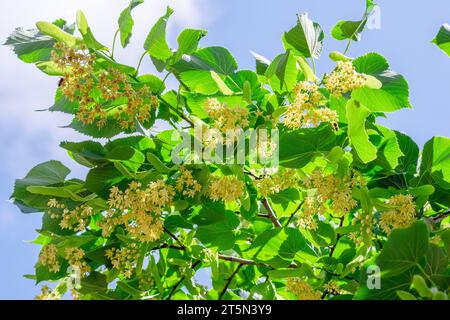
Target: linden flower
{"x": 76, "y": 219}
{"x": 302, "y": 289}
{"x": 225, "y": 118}
{"x": 123, "y": 259}
{"x": 138, "y": 210}
{"x": 402, "y": 216}
{"x": 48, "y": 257}
{"x": 75, "y": 258}
{"x": 344, "y": 79}
{"x": 46, "y": 294}
{"x": 276, "y": 183}
{"x": 365, "y": 222}
{"x": 307, "y": 217}
{"x": 334, "y": 189}
{"x": 332, "y": 287}
{"x": 226, "y": 188}
{"x": 80, "y": 81}
{"x": 186, "y": 184}
{"x": 327, "y": 193}
{"x": 304, "y": 112}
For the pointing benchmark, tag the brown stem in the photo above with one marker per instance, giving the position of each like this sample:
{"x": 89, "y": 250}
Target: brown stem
{"x": 239, "y": 260}
{"x": 229, "y": 281}
{"x": 337, "y": 238}
{"x": 294, "y": 213}
{"x": 271, "y": 214}
{"x": 183, "y": 247}
{"x": 175, "y": 287}
{"x": 438, "y": 218}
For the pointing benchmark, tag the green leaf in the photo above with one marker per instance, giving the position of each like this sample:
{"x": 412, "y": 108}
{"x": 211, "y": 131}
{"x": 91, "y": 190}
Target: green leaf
{"x": 45, "y": 174}
{"x": 389, "y": 151}
{"x": 282, "y": 72}
{"x": 110, "y": 129}
{"x": 262, "y": 63}
{"x": 217, "y": 59}
{"x": 87, "y": 153}
{"x": 155, "y": 274}
{"x": 188, "y": 41}
{"x": 131, "y": 158}
{"x": 435, "y": 166}
{"x": 223, "y": 88}
{"x": 86, "y": 32}
{"x": 100, "y": 180}
{"x": 442, "y": 39}
{"x": 200, "y": 81}
{"x": 126, "y": 22}
{"x": 394, "y": 93}
{"x": 62, "y": 192}
{"x": 220, "y": 234}
{"x": 356, "y": 117}
{"x": 299, "y": 147}
{"x": 404, "y": 295}
{"x": 306, "y": 37}
{"x": 58, "y": 34}
{"x": 157, "y": 163}
{"x": 352, "y": 29}
{"x": 32, "y": 46}
{"x": 421, "y": 287}
{"x": 156, "y": 44}
{"x": 408, "y": 162}
{"x": 402, "y": 257}
{"x": 279, "y": 247}
{"x": 306, "y": 69}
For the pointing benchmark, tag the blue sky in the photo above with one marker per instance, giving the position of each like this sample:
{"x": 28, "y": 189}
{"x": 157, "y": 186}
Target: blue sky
{"x": 28, "y": 138}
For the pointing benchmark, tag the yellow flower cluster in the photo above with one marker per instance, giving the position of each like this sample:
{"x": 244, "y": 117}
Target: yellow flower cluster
{"x": 76, "y": 219}
{"x": 48, "y": 257}
{"x": 186, "y": 184}
{"x": 225, "y": 188}
{"x": 276, "y": 183}
{"x": 344, "y": 79}
{"x": 307, "y": 219}
{"x": 123, "y": 259}
{"x": 75, "y": 257}
{"x": 329, "y": 193}
{"x": 302, "y": 289}
{"x": 304, "y": 112}
{"x": 138, "y": 209}
{"x": 46, "y": 294}
{"x": 79, "y": 83}
{"x": 332, "y": 287}
{"x": 402, "y": 216}
{"x": 225, "y": 118}
{"x": 365, "y": 221}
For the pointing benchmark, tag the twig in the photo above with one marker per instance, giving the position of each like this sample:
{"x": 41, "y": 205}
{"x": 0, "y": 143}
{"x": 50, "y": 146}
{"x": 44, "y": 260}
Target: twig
{"x": 337, "y": 238}
{"x": 175, "y": 287}
{"x": 183, "y": 247}
{"x": 294, "y": 213}
{"x": 271, "y": 214}
{"x": 229, "y": 281}
{"x": 239, "y": 260}
{"x": 252, "y": 175}
{"x": 438, "y": 218}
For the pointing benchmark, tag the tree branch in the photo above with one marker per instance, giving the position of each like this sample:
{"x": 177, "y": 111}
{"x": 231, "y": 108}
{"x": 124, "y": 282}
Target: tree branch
{"x": 239, "y": 260}
{"x": 229, "y": 281}
{"x": 183, "y": 247}
{"x": 438, "y": 218}
{"x": 271, "y": 214}
{"x": 175, "y": 287}
{"x": 294, "y": 213}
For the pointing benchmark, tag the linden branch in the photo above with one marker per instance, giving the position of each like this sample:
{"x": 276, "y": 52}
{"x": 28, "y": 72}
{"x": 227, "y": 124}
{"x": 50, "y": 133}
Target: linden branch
{"x": 271, "y": 213}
